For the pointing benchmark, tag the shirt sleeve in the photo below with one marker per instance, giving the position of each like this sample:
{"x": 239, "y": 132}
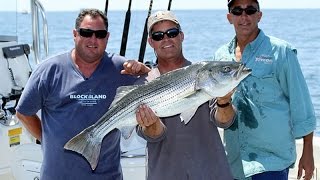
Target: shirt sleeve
{"x": 31, "y": 99}
{"x": 296, "y": 90}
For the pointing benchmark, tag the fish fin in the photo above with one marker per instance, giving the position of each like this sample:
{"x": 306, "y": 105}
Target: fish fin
{"x": 126, "y": 131}
{"x": 193, "y": 94}
{"x": 87, "y": 145}
{"x": 187, "y": 115}
{"x": 122, "y": 91}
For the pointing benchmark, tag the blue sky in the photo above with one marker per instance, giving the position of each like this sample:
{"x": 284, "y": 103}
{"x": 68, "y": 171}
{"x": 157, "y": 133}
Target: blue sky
{"x": 75, "y": 5}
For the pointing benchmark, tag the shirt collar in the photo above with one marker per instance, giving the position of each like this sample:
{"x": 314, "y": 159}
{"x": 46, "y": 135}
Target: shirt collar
{"x": 254, "y": 45}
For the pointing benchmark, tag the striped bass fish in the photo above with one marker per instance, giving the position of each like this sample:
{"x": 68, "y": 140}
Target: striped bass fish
{"x": 180, "y": 91}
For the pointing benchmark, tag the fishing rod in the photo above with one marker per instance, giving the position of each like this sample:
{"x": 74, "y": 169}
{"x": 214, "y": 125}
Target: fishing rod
{"x": 125, "y": 31}
{"x": 169, "y": 5}
{"x": 106, "y": 7}
{"x": 144, "y": 35}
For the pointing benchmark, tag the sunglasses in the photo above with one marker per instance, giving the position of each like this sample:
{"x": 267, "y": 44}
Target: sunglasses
{"x": 171, "y": 33}
{"x": 237, "y": 11}
{"x": 100, "y": 34}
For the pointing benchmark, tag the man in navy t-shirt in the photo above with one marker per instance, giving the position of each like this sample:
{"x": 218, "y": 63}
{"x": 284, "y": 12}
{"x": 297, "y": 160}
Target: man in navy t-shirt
{"x": 73, "y": 90}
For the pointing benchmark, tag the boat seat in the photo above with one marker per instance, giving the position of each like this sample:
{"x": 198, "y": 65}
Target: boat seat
{"x": 15, "y": 71}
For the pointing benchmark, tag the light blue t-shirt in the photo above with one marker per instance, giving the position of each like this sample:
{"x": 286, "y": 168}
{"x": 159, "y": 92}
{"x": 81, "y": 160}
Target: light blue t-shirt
{"x": 273, "y": 107}
{"x": 69, "y": 103}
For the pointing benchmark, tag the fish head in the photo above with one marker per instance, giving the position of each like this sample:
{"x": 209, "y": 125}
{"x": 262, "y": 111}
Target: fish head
{"x": 217, "y": 78}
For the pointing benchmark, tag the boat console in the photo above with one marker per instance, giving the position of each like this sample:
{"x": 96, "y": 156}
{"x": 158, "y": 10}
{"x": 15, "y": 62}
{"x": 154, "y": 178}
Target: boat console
{"x": 14, "y": 73}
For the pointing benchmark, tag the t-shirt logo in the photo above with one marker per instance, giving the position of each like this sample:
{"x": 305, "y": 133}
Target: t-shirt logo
{"x": 266, "y": 59}
{"x": 88, "y": 99}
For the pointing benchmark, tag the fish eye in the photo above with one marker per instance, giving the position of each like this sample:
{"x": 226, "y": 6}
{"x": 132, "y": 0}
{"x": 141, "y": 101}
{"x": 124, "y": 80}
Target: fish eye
{"x": 226, "y": 69}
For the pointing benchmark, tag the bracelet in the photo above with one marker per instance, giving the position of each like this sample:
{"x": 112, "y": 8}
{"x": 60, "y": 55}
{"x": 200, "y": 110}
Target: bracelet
{"x": 223, "y": 105}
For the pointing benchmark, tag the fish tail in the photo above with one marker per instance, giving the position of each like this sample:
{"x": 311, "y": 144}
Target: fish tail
{"x": 87, "y": 145}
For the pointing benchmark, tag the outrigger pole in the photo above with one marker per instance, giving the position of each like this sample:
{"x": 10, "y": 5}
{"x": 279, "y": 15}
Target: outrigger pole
{"x": 125, "y": 31}
{"x": 106, "y": 7}
{"x": 144, "y": 35}
{"x": 169, "y": 5}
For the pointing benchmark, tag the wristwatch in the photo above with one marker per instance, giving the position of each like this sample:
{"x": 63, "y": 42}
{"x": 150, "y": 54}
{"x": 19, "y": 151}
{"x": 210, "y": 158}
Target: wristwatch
{"x": 223, "y": 105}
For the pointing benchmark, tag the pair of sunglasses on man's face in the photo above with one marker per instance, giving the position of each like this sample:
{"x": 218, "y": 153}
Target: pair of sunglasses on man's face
{"x": 237, "y": 11}
{"x": 171, "y": 33}
{"x": 100, "y": 34}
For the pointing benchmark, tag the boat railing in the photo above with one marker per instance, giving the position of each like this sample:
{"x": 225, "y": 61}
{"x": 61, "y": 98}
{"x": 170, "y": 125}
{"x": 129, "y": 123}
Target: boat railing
{"x": 36, "y": 8}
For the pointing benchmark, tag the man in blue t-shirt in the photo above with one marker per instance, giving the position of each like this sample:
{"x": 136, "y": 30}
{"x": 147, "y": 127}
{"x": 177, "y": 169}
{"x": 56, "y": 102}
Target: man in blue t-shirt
{"x": 73, "y": 90}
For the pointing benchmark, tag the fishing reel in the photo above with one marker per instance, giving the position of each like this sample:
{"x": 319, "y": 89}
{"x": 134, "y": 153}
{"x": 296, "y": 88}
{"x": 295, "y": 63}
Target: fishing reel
{"x": 150, "y": 64}
{"x": 7, "y": 111}
{"x": 7, "y": 117}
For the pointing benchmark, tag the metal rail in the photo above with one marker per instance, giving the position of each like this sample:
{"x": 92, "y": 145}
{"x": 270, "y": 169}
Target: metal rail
{"x": 36, "y": 8}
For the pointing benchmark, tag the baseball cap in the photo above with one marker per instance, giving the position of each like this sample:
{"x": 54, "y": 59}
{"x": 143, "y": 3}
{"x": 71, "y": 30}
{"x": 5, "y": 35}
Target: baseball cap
{"x": 231, "y": 1}
{"x": 161, "y": 16}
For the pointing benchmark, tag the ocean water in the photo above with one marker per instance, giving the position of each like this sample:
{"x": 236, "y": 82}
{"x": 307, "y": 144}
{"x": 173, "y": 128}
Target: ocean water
{"x": 205, "y": 31}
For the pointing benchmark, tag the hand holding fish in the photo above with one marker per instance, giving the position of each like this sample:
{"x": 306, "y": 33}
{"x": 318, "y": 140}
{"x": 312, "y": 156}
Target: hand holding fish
{"x": 133, "y": 67}
{"x": 226, "y": 112}
{"x": 149, "y": 121}
{"x": 227, "y": 98}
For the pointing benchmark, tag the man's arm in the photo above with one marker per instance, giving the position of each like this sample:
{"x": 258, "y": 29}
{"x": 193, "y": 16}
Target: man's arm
{"x": 306, "y": 162}
{"x": 136, "y": 68}
{"x": 32, "y": 124}
{"x": 225, "y": 111}
{"x": 151, "y": 124}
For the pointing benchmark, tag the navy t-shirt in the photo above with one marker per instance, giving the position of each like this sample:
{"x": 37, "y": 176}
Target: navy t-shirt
{"x": 69, "y": 103}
